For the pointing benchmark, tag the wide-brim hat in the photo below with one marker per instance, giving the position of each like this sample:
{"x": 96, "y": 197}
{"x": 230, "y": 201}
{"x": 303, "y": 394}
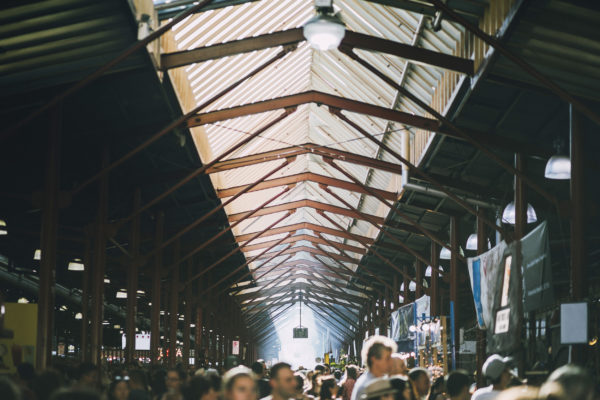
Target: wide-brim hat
{"x": 379, "y": 387}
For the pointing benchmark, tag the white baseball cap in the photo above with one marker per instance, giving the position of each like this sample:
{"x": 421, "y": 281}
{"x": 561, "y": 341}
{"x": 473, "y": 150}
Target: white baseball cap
{"x": 495, "y": 365}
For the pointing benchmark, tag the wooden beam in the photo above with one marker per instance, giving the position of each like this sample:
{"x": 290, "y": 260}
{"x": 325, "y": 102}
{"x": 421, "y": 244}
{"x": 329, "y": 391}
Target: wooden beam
{"x": 308, "y": 238}
{"x": 312, "y": 250}
{"x": 305, "y": 225}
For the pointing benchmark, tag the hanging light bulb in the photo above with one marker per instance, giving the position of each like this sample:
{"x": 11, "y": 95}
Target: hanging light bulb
{"x": 3, "y": 228}
{"x": 508, "y": 215}
{"x": 122, "y": 294}
{"x": 325, "y": 31}
{"x": 79, "y": 316}
{"x": 76, "y": 265}
{"x": 37, "y": 255}
{"x": 23, "y": 300}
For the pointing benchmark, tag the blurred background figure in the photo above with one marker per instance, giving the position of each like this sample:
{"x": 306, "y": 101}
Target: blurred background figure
{"x": 569, "y": 382}
{"x": 377, "y": 353}
{"x": 260, "y": 370}
{"x": 119, "y": 388}
{"x": 402, "y": 386}
{"x": 398, "y": 365}
{"x": 458, "y": 384}
{"x": 239, "y": 384}
{"x": 348, "y": 384}
{"x": 420, "y": 382}
{"x": 329, "y": 388}
{"x": 497, "y": 370}
{"x": 379, "y": 389}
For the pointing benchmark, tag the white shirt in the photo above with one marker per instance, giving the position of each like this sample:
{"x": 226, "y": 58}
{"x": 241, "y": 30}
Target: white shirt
{"x": 361, "y": 385}
{"x": 486, "y": 393}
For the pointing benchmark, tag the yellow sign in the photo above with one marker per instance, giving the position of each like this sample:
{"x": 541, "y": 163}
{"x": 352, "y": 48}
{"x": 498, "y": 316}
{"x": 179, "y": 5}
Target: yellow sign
{"x": 21, "y": 319}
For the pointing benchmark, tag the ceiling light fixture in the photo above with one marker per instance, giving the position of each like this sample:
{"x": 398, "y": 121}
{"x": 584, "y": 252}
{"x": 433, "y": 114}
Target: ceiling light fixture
{"x": 326, "y": 30}
{"x": 3, "y": 228}
{"x": 122, "y": 294}
{"x": 37, "y": 255}
{"x": 76, "y": 265}
{"x": 79, "y": 316}
{"x": 559, "y": 165}
{"x": 508, "y": 215}
{"x": 23, "y": 300}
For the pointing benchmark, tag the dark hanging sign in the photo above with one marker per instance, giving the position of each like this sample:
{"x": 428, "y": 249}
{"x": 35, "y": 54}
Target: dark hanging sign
{"x": 300, "y": 333}
{"x": 537, "y": 270}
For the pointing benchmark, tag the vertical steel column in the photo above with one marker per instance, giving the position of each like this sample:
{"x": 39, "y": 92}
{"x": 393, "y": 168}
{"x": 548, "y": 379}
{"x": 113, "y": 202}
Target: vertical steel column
{"x": 174, "y": 306}
{"x": 99, "y": 266}
{"x": 480, "y": 349}
{"x": 454, "y": 249}
{"x": 156, "y": 287}
{"x": 49, "y": 242}
{"x": 406, "y": 284}
{"x": 85, "y": 294}
{"x": 418, "y": 278}
{"x": 132, "y": 280}
{"x": 520, "y": 231}
{"x": 435, "y": 288}
{"x": 187, "y": 317}
{"x": 396, "y": 292}
{"x": 578, "y": 207}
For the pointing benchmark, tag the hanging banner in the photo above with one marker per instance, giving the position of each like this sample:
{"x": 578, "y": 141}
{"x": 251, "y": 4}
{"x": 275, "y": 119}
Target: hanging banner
{"x": 484, "y": 271}
{"x": 537, "y": 269}
{"x": 422, "y": 304}
{"x": 401, "y": 320}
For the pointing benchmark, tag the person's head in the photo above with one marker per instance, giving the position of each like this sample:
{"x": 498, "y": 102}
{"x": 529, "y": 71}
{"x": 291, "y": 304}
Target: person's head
{"x": 258, "y": 369}
{"x": 88, "y": 374}
{"x": 174, "y": 379}
{"x": 438, "y": 385}
{"x": 337, "y": 374}
{"x": 352, "y": 372}
{"x": 327, "y": 370}
{"x": 138, "y": 379}
{"x": 329, "y": 388}
{"x": 299, "y": 383}
{"x": 320, "y": 368}
{"x": 46, "y": 383}
{"x": 377, "y": 353}
{"x": 419, "y": 378}
{"x": 497, "y": 370}
{"x": 398, "y": 365}
{"x": 75, "y": 394}
{"x": 119, "y": 388}
{"x": 9, "y": 390}
{"x": 380, "y": 389}
{"x": 569, "y": 382}
{"x": 239, "y": 384}
{"x": 26, "y": 371}
{"x": 282, "y": 381}
{"x": 402, "y": 386}
{"x": 458, "y": 384}
{"x": 199, "y": 388}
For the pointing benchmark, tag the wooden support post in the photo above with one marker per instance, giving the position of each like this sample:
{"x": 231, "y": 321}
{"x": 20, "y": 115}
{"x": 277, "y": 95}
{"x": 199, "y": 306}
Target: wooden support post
{"x": 418, "y": 278}
{"x": 174, "y": 307}
{"x": 406, "y": 283}
{"x": 579, "y": 287}
{"x": 396, "y": 292}
{"x": 49, "y": 242}
{"x": 156, "y": 287}
{"x": 85, "y": 295}
{"x": 132, "y": 280}
{"x": 435, "y": 288}
{"x": 454, "y": 250}
{"x": 480, "y": 348}
{"x": 199, "y": 353}
{"x": 187, "y": 318}
{"x": 99, "y": 267}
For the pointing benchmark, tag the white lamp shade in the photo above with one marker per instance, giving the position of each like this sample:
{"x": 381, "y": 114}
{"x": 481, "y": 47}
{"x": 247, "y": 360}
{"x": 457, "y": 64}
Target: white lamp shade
{"x": 121, "y": 294}
{"x": 37, "y": 255}
{"x": 429, "y": 270}
{"x": 23, "y": 300}
{"x": 558, "y": 167}
{"x": 324, "y": 32}
{"x": 79, "y": 316}
{"x": 412, "y": 286}
{"x": 445, "y": 253}
{"x": 3, "y": 230}
{"x": 76, "y": 265}
{"x": 472, "y": 242}
{"x": 106, "y": 279}
{"x": 508, "y": 216}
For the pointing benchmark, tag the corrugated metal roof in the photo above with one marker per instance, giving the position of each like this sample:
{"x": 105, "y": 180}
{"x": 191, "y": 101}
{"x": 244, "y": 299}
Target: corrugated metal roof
{"x": 305, "y": 69}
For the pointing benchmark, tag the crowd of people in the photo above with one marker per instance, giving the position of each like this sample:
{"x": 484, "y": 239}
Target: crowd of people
{"x": 385, "y": 377}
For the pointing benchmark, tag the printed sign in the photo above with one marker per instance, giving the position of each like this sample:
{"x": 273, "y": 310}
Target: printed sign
{"x": 502, "y": 321}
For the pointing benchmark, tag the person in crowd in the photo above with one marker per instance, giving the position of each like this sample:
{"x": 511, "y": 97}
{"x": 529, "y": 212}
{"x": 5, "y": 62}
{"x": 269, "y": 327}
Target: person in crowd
{"x": 420, "y": 382}
{"x": 283, "y": 383}
{"x": 315, "y": 385}
{"x": 329, "y": 388}
{"x": 299, "y": 393}
{"x": 458, "y": 384}
{"x": 239, "y": 384}
{"x": 199, "y": 388}
{"x": 47, "y": 382}
{"x": 348, "y": 385}
{"x": 438, "y": 389}
{"x": 119, "y": 388}
{"x": 327, "y": 370}
{"x": 497, "y": 370}
{"x": 9, "y": 390}
{"x": 138, "y": 385}
{"x": 521, "y": 393}
{"x": 337, "y": 374}
{"x": 25, "y": 377}
{"x": 398, "y": 365}
{"x": 88, "y": 376}
{"x": 377, "y": 352}
{"x": 320, "y": 368}
{"x": 402, "y": 386}
{"x": 158, "y": 384}
{"x": 75, "y": 393}
{"x": 569, "y": 382}
{"x": 379, "y": 389}
{"x": 174, "y": 380}
{"x": 260, "y": 370}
